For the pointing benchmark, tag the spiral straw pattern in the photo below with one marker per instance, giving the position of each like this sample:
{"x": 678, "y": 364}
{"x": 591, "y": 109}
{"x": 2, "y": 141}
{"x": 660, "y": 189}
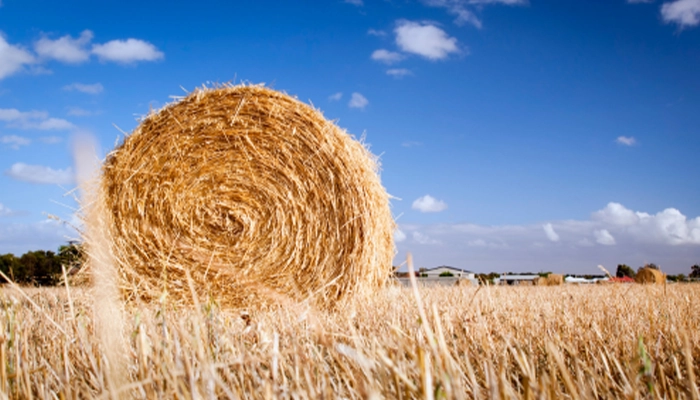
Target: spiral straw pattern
{"x": 252, "y": 196}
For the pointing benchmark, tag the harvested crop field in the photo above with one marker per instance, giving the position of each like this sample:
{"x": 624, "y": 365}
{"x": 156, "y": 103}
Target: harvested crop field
{"x": 611, "y": 341}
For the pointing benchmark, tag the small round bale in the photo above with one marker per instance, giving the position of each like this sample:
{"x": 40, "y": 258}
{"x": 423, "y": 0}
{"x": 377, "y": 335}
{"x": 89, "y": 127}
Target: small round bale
{"x": 246, "y": 195}
{"x": 650, "y": 275}
{"x": 549, "y": 280}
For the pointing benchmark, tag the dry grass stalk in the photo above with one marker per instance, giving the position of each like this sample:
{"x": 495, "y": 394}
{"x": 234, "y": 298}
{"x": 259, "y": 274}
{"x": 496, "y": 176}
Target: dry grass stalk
{"x": 252, "y": 192}
{"x": 603, "y": 342}
{"x": 650, "y": 275}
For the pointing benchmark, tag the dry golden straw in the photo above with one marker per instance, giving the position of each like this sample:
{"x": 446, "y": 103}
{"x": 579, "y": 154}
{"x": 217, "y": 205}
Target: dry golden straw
{"x": 550, "y": 280}
{"x": 249, "y": 195}
{"x": 650, "y": 275}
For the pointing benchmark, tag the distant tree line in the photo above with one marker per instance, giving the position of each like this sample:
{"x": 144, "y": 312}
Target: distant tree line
{"x": 40, "y": 267}
{"x": 625, "y": 270}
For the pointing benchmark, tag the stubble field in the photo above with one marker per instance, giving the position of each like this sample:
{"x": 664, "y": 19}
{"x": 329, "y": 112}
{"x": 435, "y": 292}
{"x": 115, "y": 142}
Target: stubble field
{"x": 599, "y": 341}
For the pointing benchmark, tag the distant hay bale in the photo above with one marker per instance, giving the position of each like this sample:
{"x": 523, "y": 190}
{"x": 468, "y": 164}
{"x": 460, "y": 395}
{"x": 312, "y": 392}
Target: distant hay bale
{"x": 550, "y": 280}
{"x": 650, "y": 275}
{"x": 254, "y": 195}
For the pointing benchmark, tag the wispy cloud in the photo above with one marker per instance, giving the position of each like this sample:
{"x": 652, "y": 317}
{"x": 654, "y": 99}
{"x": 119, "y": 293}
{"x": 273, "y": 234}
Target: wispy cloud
{"x": 602, "y": 236}
{"x": 335, "y": 96}
{"x": 463, "y": 10}
{"x": 27, "y": 120}
{"x": 357, "y": 100}
{"x": 376, "y": 32}
{"x": 626, "y": 140}
{"x": 425, "y": 40}
{"x": 94, "y": 88}
{"x": 13, "y": 58}
{"x": 386, "y": 56}
{"x": 71, "y": 50}
{"x": 355, "y": 2}
{"x": 399, "y": 72}
{"x": 79, "y": 112}
{"x": 51, "y": 139}
{"x": 5, "y": 212}
{"x": 14, "y": 142}
{"x": 411, "y": 144}
{"x": 399, "y": 236}
{"x": 428, "y": 204}
{"x": 612, "y": 235}
{"x": 684, "y": 13}
{"x": 40, "y": 174}
{"x": 127, "y": 51}
{"x": 65, "y": 49}
{"x": 463, "y": 15}
{"x": 549, "y": 231}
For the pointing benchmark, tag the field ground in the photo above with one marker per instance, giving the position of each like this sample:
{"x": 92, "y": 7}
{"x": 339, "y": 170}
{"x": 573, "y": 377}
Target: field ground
{"x": 599, "y": 341}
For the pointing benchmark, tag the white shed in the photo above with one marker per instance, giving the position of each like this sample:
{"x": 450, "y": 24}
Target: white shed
{"x": 445, "y": 269}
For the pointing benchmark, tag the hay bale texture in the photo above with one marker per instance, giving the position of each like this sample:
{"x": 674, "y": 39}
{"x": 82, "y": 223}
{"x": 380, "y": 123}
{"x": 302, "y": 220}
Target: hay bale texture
{"x": 550, "y": 280}
{"x": 249, "y": 194}
{"x": 650, "y": 275}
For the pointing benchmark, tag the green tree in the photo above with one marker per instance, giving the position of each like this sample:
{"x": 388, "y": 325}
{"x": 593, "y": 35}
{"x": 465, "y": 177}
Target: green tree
{"x": 680, "y": 278}
{"x": 625, "y": 270}
{"x": 652, "y": 266}
{"x": 695, "y": 271}
{"x": 10, "y": 266}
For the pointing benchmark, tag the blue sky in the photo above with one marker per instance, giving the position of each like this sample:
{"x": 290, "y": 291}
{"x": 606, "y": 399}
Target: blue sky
{"x": 516, "y": 135}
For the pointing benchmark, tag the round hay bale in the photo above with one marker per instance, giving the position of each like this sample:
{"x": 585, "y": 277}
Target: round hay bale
{"x": 549, "y": 280}
{"x": 249, "y": 195}
{"x": 554, "y": 280}
{"x": 650, "y": 275}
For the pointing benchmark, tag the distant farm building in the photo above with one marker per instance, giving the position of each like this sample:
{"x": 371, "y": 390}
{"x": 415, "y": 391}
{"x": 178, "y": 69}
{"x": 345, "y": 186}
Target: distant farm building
{"x": 443, "y": 275}
{"x": 516, "y": 280}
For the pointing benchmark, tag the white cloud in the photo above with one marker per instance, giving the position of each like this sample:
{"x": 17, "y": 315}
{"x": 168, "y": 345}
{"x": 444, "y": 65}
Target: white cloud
{"x": 463, "y": 10}
{"x": 50, "y": 139}
{"x": 639, "y": 1}
{"x": 551, "y": 234}
{"x": 18, "y": 238}
{"x": 13, "y": 58}
{"x": 399, "y": 236}
{"x": 93, "y": 88}
{"x": 626, "y": 140}
{"x": 429, "y": 204}
{"x": 398, "y": 72}
{"x": 4, "y": 211}
{"x": 335, "y": 96}
{"x": 506, "y": 2}
{"x": 684, "y": 13}
{"x": 459, "y": 9}
{"x": 376, "y": 32}
{"x": 15, "y": 142}
{"x": 602, "y": 236}
{"x": 79, "y": 112}
{"x": 53, "y": 124}
{"x": 421, "y": 238}
{"x": 355, "y": 2}
{"x": 127, "y": 51}
{"x": 33, "y": 120}
{"x": 357, "y": 100}
{"x": 425, "y": 40}
{"x": 65, "y": 49}
{"x": 616, "y": 214}
{"x": 386, "y": 56}
{"x": 619, "y": 235}
{"x": 40, "y": 174}
{"x": 12, "y": 114}
{"x": 411, "y": 143}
